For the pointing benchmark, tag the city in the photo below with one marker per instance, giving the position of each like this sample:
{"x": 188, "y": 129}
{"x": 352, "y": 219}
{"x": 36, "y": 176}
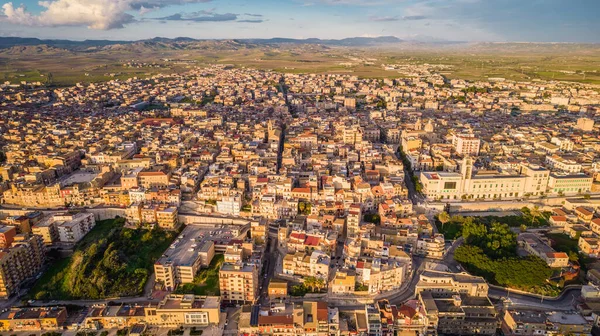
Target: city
{"x": 192, "y": 187}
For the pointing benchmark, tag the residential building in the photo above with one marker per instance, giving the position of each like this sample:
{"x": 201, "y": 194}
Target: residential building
{"x": 239, "y": 282}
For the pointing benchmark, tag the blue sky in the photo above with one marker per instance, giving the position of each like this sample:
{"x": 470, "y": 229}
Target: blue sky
{"x": 457, "y": 20}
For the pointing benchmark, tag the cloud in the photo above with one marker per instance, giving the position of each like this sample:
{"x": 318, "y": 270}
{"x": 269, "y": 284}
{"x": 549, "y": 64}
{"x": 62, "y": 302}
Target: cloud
{"x": 95, "y": 14}
{"x": 253, "y": 15}
{"x": 251, "y": 21}
{"x": 383, "y": 18}
{"x": 202, "y": 16}
{"x": 414, "y": 17}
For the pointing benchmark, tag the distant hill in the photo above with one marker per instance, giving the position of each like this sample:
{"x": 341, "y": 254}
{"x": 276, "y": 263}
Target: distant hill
{"x": 186, "y": 42}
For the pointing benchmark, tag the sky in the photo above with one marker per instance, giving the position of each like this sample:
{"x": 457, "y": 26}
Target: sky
{"x": 425, "y": 20}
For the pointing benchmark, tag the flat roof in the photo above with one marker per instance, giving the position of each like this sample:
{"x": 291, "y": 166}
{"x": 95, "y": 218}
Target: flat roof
{"x": 185, "y": 250}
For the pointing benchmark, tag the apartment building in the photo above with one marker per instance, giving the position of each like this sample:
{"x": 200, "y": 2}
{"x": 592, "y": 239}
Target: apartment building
{"x": 239, "y": 282}
{"x": 46, "y": 229}
{"x": 302, "y": 264}
{"x": 180, "y": 263}
{"x": 456, "y": 303}
{"x": 466, "y": 145}
{"x": 21, "y": 261}
{"x": 149, "y": 179}
{"x": 166, "y": 217}
{"x": 72, "y": 228}
{"x": 230, "y": 205}
{"x": 459, "y": 314}
{"x": 557, "y": 163}
{"x": 354, "y": 219}
{"x": 7, "y": 235}
{"x": 410, "y": 143}
{"x": 431, "y": 247}
{"x": 450, "y": 283}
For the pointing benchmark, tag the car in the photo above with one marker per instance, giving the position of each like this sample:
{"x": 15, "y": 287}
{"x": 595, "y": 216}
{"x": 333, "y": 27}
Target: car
{"x": 31, "y": 301}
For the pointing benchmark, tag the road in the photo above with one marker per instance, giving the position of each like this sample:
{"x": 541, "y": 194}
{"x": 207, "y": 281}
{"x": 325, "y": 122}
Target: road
{"x": 413, "y": 195}
{"x": 565, "y": 301}
{"x": 271, "y": 261}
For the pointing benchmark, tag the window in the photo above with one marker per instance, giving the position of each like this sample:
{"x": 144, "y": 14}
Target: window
{"x": 450, "y": 185}
{"x": 196, "y": 318}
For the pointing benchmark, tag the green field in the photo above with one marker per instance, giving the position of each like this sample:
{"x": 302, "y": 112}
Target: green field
{"x": 111, "y": 261}
{"x": 206, "y": 282}
{"x": 524, "y": 62}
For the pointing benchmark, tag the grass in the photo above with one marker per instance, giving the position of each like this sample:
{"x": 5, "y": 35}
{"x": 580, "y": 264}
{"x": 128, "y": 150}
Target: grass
{"x": 207, "y": 280}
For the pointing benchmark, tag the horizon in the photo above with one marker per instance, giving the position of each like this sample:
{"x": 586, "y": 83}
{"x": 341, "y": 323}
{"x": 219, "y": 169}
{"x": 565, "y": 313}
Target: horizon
{"x": 553, "y": 21}
{"x": 298, "y": 39}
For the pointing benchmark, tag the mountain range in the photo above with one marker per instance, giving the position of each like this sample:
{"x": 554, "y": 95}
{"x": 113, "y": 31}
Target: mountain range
{"x": 8, "y": 42}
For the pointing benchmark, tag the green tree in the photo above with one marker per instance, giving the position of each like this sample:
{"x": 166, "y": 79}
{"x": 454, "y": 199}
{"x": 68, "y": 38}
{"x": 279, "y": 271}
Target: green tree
{"x": 443, "y": 217}
{"x": 535, "y": 213}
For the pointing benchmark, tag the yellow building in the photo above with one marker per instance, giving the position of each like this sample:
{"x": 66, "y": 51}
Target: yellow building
{"x": 277, "y": 289}
{"x": 34, "y": 319}
{"x": 167, "y": 218}
{"x": 343, "y": 283}
{"x": 185, "y": 310}
{"x": 238, "y": 283}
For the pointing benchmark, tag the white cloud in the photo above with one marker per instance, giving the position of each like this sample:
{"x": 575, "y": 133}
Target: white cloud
{"x": 95, "y": 14}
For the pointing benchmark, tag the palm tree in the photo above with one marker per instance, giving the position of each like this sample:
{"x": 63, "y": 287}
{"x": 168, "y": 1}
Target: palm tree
{"x": 444, "y": 218}
{"x": 535, "y": 212}
{"x": 310, "y": 282}
{"x": 319, "y": 283}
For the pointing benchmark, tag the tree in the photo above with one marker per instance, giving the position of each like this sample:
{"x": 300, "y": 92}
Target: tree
{"x": 310, "y": 282}
{"x": 443, "y": 217}
{"x": 535, "y": 213}
{"x": 319, "y": 283}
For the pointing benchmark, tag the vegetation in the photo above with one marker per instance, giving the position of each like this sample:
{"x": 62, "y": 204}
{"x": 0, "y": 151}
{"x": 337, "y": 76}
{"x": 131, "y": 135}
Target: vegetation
{"x": 452, "y": 227}
{"x": 310, "y": 285}
{"x": 298, "y": 290}
{"x": 314, "y": 284}
{"x": 207, "y": 280}
{"x": 443, "y": 217}
{"x": 372, "y": 218}
{"x": 111, "y": 261}
{"x": 360, "y": 288}
{"x": 304, "y": 208}
{"x": 529, "y": 273}
{"x": 51, "y": 333}
{"x": 490, "y": 251}
{"x": 195, "y": 331}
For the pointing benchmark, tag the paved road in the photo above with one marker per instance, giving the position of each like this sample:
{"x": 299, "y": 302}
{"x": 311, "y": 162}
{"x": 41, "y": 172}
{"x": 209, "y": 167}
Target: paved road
{"x": 271, "y": 260}
{"x": 565, "y": 301}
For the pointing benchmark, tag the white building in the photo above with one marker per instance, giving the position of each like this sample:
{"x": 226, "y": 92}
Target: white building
{"x": 531, "y": 180}
{"x": 569, "y": 184}
{"x": 557, "y": 163}
{"x": 230, "y": 205}
{"x": 466, "y": 145}
{"x": 72, "y": 228}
